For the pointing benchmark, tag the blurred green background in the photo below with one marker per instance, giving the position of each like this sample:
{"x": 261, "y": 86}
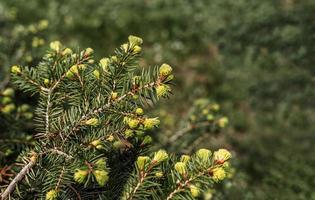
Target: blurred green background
{"x": 255, "y": 58}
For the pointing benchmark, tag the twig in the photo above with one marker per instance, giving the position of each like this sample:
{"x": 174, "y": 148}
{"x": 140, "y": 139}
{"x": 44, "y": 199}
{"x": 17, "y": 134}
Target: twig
{"x": 75, "y": 191}
{"x": 19, "y": 177}
{"x": 181, "y": 132}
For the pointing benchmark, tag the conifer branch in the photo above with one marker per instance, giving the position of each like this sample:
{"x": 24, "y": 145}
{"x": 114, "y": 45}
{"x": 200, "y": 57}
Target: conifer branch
{"x": 19, "y": 177}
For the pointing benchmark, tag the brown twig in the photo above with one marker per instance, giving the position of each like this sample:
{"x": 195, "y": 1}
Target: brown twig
{"x": 19, "y": 177}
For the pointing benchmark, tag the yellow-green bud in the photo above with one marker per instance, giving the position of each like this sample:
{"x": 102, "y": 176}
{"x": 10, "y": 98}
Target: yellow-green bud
{"x": 133, "y": 123}
{"x": 114, "y": 95}
{"x": 203, "y": 154}
{"x": 128, "y": 133}
{"x": 46, "y": 81}
{"x": 8, "y": 92}
{"x": 82, "y": 67}
{"x": 8, "y": 108}
{"x": 160, "y": 156}
{"x": 28, "y": 115}
{"x": 149, "y": 123}
{"x": 135, "y": 97}
{"x": 96, "y": 74}
{"x": 215, "y": 107}
{"x": 218, "y": 174}
{"x": 110, "y": 138}
{"x": 91, "y": 61}
{"x": 159, "y": 174}
{"x": 134, "y": 40}
{"x": 51, "y": 195}
{"x": 67, "y": 51}
{"x": 24, "y": 107}
{"x": 141, "y": 161}
{"x": 185, "y": 158}
{"x": 165, "y": 70}
{"x": 96, "y": 142}
{"x": 118, "y": 145}
{"x": 16, "y": 69}
{"x": 205, "y": 111}
{"x": 101, "y": 177}
{"x": 180, "y": 167}
{"x": 74, "y": 69}
{"x": 114, "y": 59}
{"x": 162, "y": 90}
{"x": 222, "y": 122}
{"x": 28, "y": 58}
{"x": 124, "y": 47}
{"x": 55, "y": 45}
{"x": 147, "y": 140}
{"x": 137, "y": 49}
{"x": 88, "y": 51}
{"x": 139, "y": 111}
{"x": 6, "y": 100}
{"x": 195, "y": 191}
{"x": 208, "y": 195}
{"x": 43, "y": 24}
{"x": 100, "y": 163}
{"x": 80, "y": 175}
{"x": 92, "y": 122}
{"x": 210, "y": 117}
{"x": 104, "y": 62}
{"x": 221, "y": 156}
{"x": 69, "y": 74}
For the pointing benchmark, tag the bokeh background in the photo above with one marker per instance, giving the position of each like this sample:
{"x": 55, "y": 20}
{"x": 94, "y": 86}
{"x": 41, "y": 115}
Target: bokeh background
{"x": 256, "y": 58}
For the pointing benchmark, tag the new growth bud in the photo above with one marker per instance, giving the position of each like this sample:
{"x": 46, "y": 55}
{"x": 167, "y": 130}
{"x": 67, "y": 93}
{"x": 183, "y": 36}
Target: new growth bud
{"x": 16, "y": 69}
{"x": 165, "y": 70}
{"x": 114, "y": 95}
{"x": 147, "y": 140}
{"x": 180, "y": 167}
{"x": 104, "y": 62}
{"x": 134, "y": 40}
{"x": 46, "y": 81}
{"x": 66, "y": 51}
{"x": 194, "y": 190}
{"x": 133, "y": 123}
{"x": 162, "y": 90}
{"x": 80, "y": 175}
{"x": 160, "y": 156}
{"x": 55, "y": 45}
{"x": 203, "y": 155}
{"x": 137, "y": 49}
{"x": 9, "y": 92}
{"x": 221, "y": 156}
{"x": 100, "y": 163}
{"x": 185, "y": 158}
{"x": 218, "y": 174}
{"x": 141, "y": 161}
{"x": 88, "y": 51}
{"x": 51, "y": 195}
{"x": 96, "y": 73}
{"x": 150, "y": 123}
{"x": 92, "y": 122}
{"x": 222, "y": 122}
{"x": 139, "y": 111}
{"x": 159, "y": 174}
{"x": 101, "y": 177}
